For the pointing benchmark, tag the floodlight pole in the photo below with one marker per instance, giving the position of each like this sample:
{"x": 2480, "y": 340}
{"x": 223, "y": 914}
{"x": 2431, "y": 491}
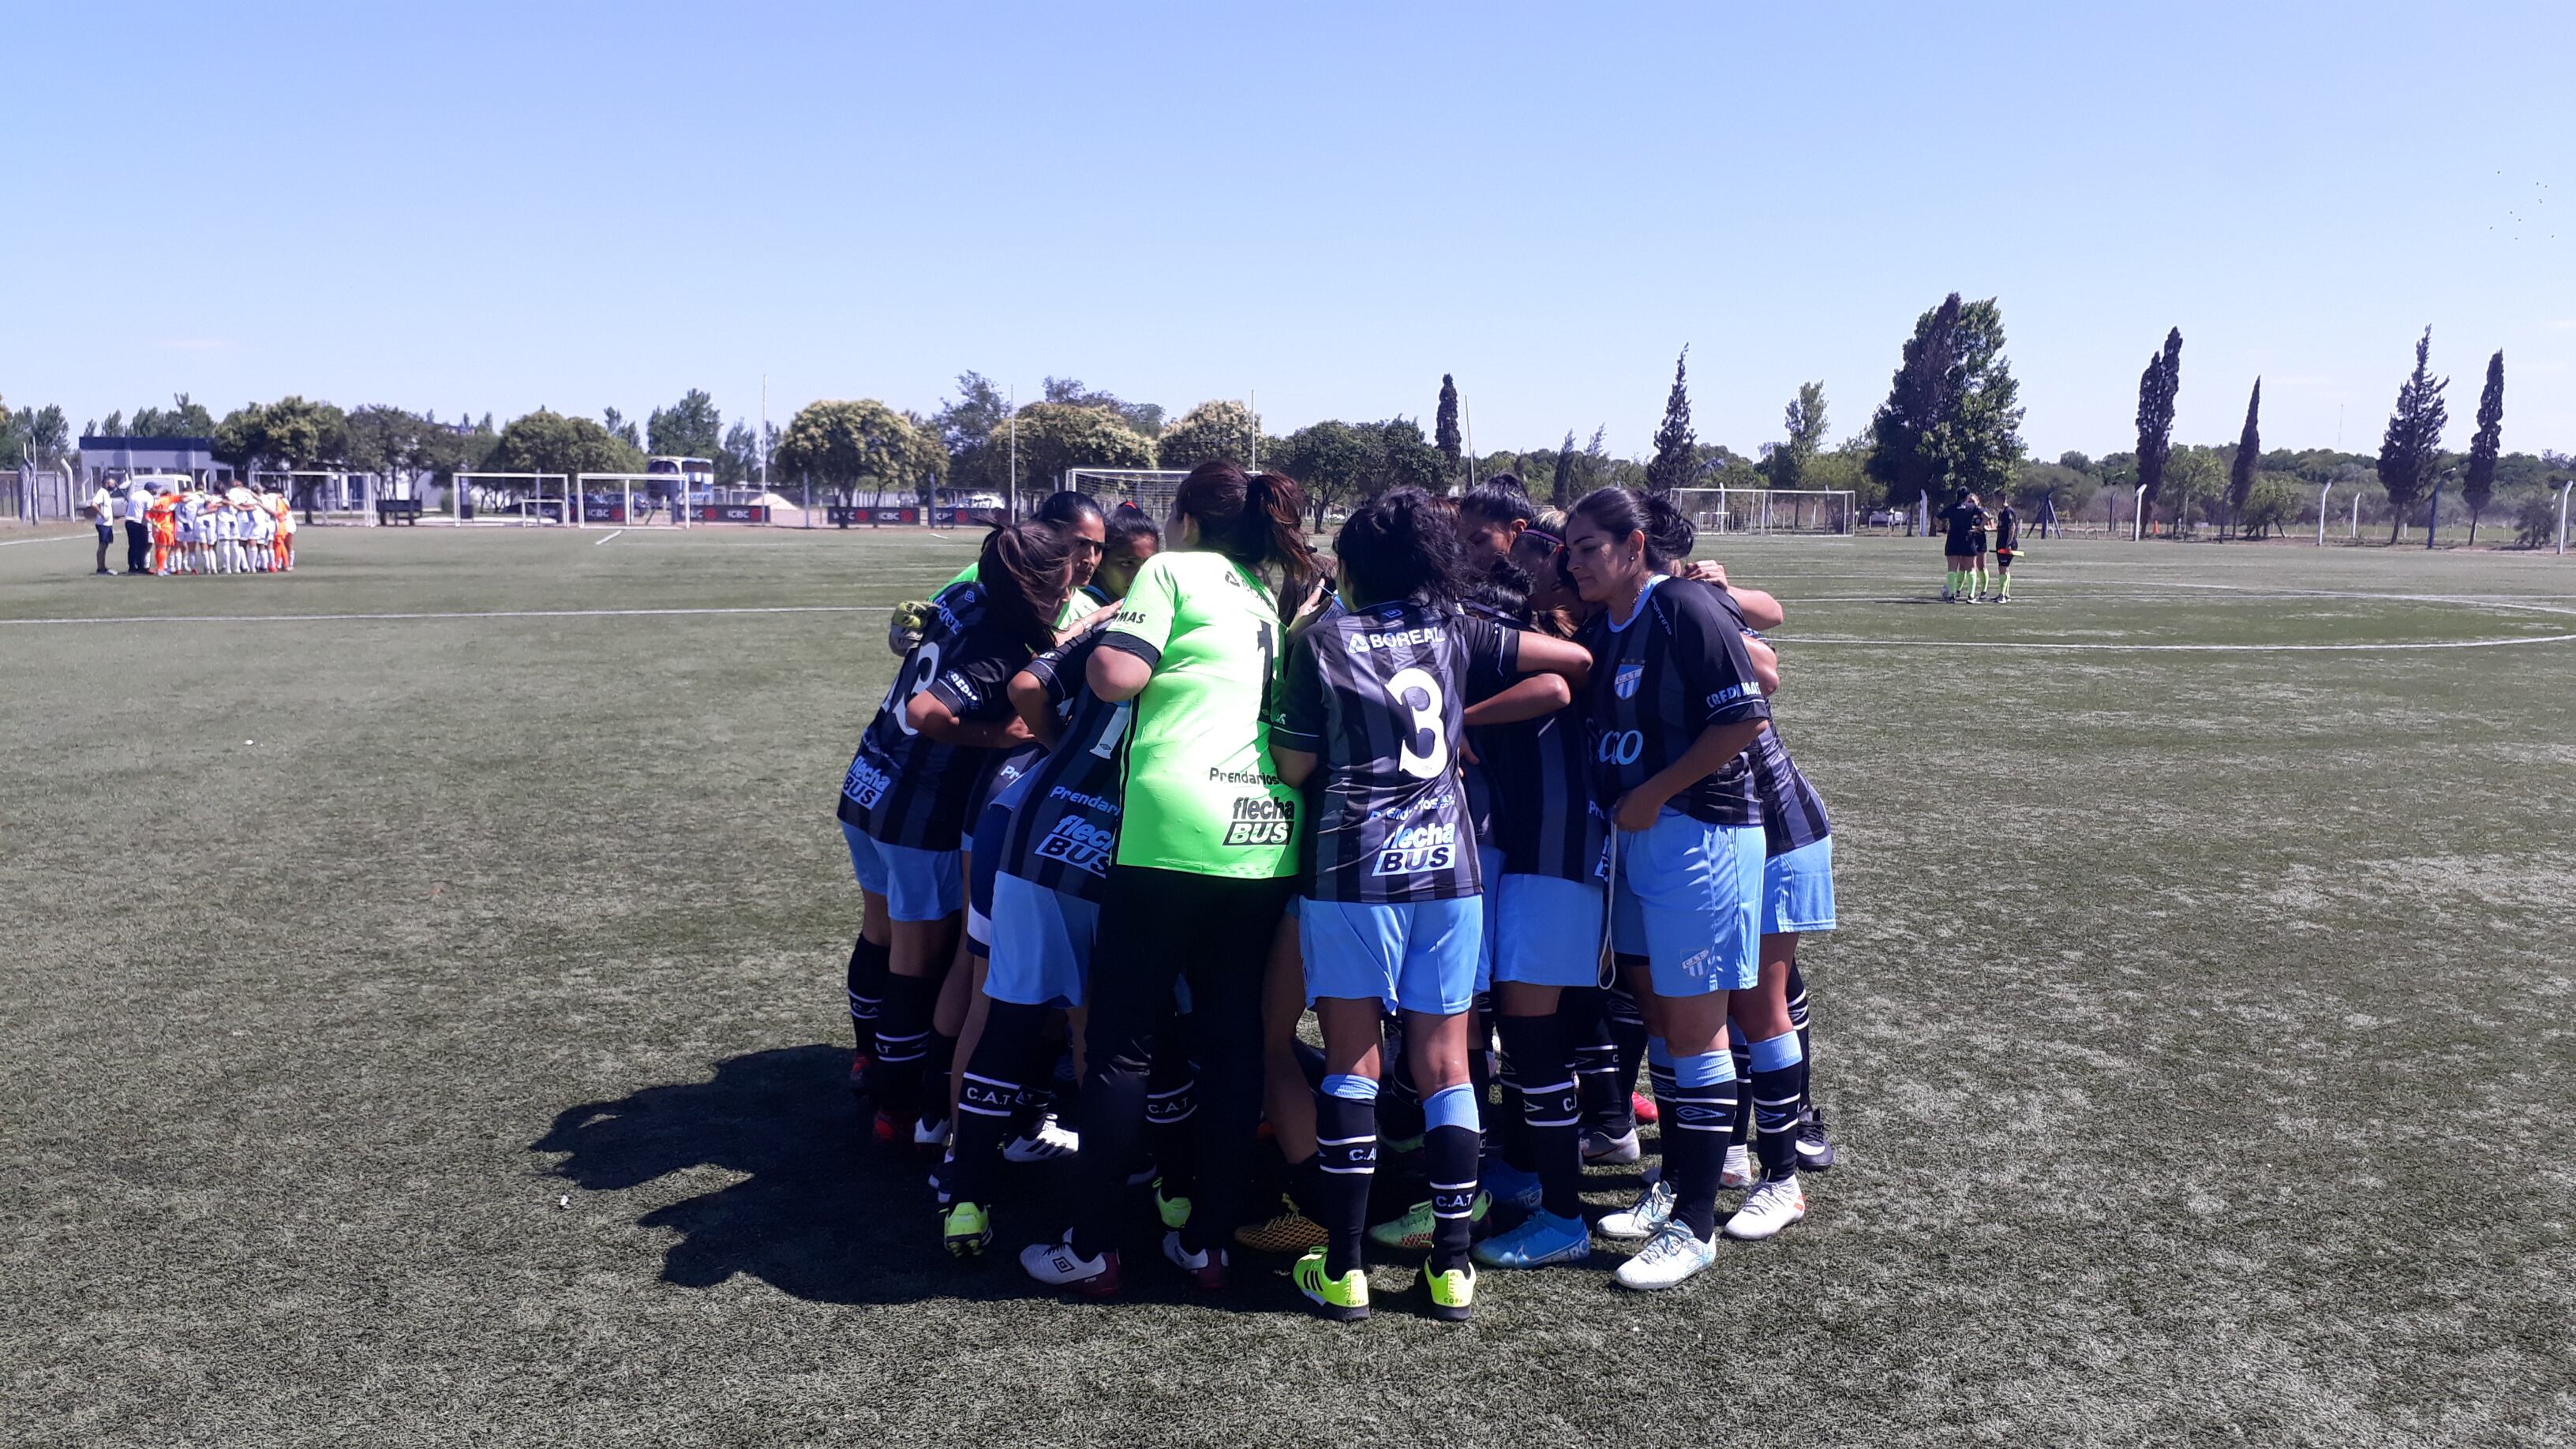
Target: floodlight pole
{"x": 2356, "y": 515}
{"x": 2138, "y": 515}
{"x": 2563, "y": 490}
{"x": 2322, "y": 494}
{"x": 1013, "y": 403}
{"x": 1252, "y": 450}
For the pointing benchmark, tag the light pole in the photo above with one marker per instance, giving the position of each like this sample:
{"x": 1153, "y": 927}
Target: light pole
{"x": 2322, "y": 495}
{"x": 2565, "y": 487}
{"x": 2138, "y": 515}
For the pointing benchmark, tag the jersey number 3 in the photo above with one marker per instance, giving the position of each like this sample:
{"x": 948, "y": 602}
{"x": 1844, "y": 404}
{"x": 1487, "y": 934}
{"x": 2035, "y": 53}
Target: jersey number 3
{"x": 1424, "y": 744}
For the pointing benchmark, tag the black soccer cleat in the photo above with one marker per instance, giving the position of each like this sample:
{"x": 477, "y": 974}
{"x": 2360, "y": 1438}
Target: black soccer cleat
{"x": 1815, "y": 1153}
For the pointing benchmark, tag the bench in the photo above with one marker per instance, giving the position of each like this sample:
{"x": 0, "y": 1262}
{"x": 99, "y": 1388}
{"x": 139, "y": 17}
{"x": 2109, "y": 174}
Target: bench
{"x": 403, "y": 510}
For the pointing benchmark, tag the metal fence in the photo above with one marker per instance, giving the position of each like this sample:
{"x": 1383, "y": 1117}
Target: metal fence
{"x": 38, "y": 495}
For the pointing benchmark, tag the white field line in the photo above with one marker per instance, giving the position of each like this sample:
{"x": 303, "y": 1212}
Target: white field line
{"x": 1803, "y": 639}
{"x": 612, "y": 534}
{"x": 56, "y": 538}
{"x": 464, "y": 614}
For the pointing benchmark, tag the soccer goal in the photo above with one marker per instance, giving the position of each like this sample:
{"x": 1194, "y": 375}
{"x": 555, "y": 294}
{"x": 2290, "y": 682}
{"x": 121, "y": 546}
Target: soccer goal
{"x": 1150, "y": 489}
{"x": 1767, "y": 510}
{"x": 515, "y": 498}
{"x": 628, "y": 500}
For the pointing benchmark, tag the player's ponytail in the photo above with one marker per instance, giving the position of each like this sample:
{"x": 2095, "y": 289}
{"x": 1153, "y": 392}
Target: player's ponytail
{"x": 1027, "y": 570}
{"x": 1501, "y": 498}
{"x": 1620, "y": 512}
{"x": 1258, "y": 520}
{"x": 1400, "y": 545}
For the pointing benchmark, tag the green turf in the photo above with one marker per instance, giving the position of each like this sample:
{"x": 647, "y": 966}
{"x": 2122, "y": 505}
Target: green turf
{"x": 460, "y": 1062}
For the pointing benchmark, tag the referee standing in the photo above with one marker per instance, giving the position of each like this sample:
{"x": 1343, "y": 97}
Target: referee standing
{"x": 138, "y": 535}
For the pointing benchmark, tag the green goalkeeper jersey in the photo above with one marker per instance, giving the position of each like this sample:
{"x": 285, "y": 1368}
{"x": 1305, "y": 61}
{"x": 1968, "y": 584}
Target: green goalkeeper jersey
{"x": 1202, "y": 794}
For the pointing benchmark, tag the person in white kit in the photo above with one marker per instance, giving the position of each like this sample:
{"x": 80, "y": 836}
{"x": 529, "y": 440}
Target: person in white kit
{"x": 262, "y": 536}
{"x": 102, "y": 512}
{"x": 138, "y": 528}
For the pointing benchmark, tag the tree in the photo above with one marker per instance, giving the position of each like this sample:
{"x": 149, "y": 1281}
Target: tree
{"x": 184, "y": 418}
{"x": 1445, "y": 423}
{"x": 738, "y": 456}
{"x": 622, "y": 428}
{"x": 2249, "y": 457}
{"x": 965, "y": 423}
{"x": 2269, "y": 507}
{"x": 1405, "y": 459}
{"x": 2410, "y": 451}
{"x": 2195, "y": 479}
{"x": 1143, "y": 418}
{"x": 2477, "y": 484}
{"x": 291, "y": 433}
{"x": 1569, "y": 464}
{"x": 2074, "y": 462}
{"x": 1057, "y": 436}
{"x": 1219, "y": 428}
{"x": 2156, "y": 389}
{"x": 1976, "y": 446}
{"x": 34, "y": 435}
{"x": 1333, "y": 459}
{"x": 1676, "y": 447}
{"x": 842, "y": 444}
{"x": 1804, "y": 422}
{"x": 546, "y": 441}
{"x": 689, "y": 428}
{"x": 1917, "y": 399}
{"x": 392, "y": 441}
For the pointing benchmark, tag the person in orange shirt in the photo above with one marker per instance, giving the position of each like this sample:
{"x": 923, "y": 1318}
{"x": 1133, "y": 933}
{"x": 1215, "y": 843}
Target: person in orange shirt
{"x": 283, "y": 545}
{"x": 163, "y": 515}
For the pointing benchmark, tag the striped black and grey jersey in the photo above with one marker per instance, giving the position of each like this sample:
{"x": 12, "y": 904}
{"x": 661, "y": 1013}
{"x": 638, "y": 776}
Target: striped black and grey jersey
{"x": 1484, "y": 681}
{"x": 1065, "y": 831}
{"x": 1376, "y": 696}
{"x": 903, "y": 787}
{"x": 1793, "y": 814}
{"x": 1675, "y": 668}
{"x": 1545, "y": 819}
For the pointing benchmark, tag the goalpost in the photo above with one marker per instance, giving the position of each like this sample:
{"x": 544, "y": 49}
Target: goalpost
{"x": 1768, "y": 510}
{"x": 1150, "y": 489}
{"x": 524, "y": 498}
{"x": 613, "y": 498}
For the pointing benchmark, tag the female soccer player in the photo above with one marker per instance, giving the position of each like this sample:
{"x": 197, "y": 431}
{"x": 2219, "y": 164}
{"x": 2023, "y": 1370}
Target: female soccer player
{"x": 2007, "y": 547}
{"x": 903, "y": 804}
{"x": 1673, "y": 704}
{"x": 1130, "y": 539}
{"x": 1205, "y": 860}
{"x": 1956, "y": 523}
{"x": 1390, "y": 918}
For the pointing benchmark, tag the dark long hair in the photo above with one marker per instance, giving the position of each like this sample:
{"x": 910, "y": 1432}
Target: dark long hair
{"x": 1619, "y": 512}
{"x": 1400, "y": 545}
{"x": 1257, "y": 520}
{"x": 1026, "y": 569}
{"x": 1067, "y": 507}
{"x": 1501, "y": 498}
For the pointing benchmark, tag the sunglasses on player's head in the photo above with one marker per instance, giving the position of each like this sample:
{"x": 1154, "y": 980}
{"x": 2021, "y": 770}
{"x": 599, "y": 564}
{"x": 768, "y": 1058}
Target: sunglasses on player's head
{"x": 1555, "y": 545}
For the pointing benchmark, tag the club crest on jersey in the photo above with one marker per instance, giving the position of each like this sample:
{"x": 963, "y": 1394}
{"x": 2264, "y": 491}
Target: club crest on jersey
{"x": 1626, "y": 682}
{"x": 1080, "y": 844}
{"x": 1261, "y": 820}
{"x": 1418, "y": 848}
{"x": 865, "y": 784}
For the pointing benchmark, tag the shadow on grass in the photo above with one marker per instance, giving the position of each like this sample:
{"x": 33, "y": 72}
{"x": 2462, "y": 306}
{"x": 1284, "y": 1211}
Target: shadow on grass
{"x": 822, "y": 1212}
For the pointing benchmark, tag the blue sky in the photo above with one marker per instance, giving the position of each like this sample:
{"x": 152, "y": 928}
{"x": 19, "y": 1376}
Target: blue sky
{"x": 471, "y": 207}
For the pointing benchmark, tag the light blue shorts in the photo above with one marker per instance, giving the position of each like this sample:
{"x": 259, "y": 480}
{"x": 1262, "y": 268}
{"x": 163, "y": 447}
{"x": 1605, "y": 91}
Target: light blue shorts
{"x": 1492, "y": 861}
{"x": 919, "y": 885}
{"x": 1547, "y": 932}
{"x": 1798, "y": 890}
{"x": 1414, "y": 955}
{"x": 1689, "y": 899}
{"x": 1041, "y": 944}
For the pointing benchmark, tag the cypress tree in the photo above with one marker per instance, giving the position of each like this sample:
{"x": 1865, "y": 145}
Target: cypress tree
{"x": 1676, "y": 449}
{"x": 1562, "y": 487}
{"x": 2412, "y": 446}
{"x": 2477, "y": 486}
{"x": 2156, "y": 389}
{"x": 2249, "y": 456}
{"x": 1445, "y": 425}
{"x": 1917, "y": 398}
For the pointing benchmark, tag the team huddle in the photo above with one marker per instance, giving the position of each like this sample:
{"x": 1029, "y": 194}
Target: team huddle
{"x": 1963, "y": 549}
{"x": 1489, "y": 776}
{"x": 197, "y": 530}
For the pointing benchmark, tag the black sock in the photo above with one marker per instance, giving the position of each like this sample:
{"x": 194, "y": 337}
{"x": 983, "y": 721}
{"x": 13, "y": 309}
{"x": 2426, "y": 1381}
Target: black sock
{"x": 1775, "y": 1081}
{"x": 903, "y": 1044}
{"x": 990, "y": 1096}
{"x": 935, "y": 1067}
{"x": 1627, "y": 1027}
{"x": 1799, "y": 1010}
{"x": 1171, "y": 1101}
{"x": 1694, "y": 1127}
{"x": 1535, "y": 1047}
{"x": 1346, "y": 1153}
{"x": 867, "y": 991}
{"x": 1740, "y": 1131}
{"x": 1484, "y": 1071}
{"x": 1510, "y": 1129}
{"x": 1595, "y": 1060}
{"x": 1451, "y": 1147}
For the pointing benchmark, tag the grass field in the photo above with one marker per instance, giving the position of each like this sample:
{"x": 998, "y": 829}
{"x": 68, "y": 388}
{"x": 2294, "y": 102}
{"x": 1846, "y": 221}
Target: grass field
{"x": 425, "y": 1026}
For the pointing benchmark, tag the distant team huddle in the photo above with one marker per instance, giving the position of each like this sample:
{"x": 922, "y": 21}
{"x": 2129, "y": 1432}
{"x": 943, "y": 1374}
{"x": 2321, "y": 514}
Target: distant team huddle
{"x": 1499, "y": 774}
{"x": 193, "y": 530}
{"x": 1963, "y": 548}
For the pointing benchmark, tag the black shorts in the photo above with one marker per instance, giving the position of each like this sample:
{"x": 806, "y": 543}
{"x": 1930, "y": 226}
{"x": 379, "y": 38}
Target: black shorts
{"x": 2004, "y": 557}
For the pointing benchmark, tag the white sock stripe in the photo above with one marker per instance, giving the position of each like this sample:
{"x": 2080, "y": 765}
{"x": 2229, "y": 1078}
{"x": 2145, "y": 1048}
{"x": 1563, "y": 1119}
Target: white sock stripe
{"x": 973, "y": 1110}
{"x": 1468, "y": 1186}
{"x": 1163, "y": 1096}
{"x": 990, "y": 1081}
{"x": 1696, "y": 1127}
{"x": 1565, "y": 1086}
{"x": 1352, "y": 1171}
{"x": 1344, "y": 1141}
{"x": 1775, "y": 1101}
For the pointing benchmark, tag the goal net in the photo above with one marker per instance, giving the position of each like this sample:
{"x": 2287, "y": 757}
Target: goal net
{"x": 629, "y": 500}
{"x": 1150, "y": 489}
{"x": 515, "y": 498}
{"x": 1767, "y": 510}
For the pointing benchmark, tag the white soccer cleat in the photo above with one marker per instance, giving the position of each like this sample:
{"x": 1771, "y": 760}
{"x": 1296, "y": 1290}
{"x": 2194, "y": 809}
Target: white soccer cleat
{"x": 1767, "y": 1209}
{"x": 1048, "y": 1141}
{"x": 1738, "y": 1172}
{"x": 1653, "y": 1210}
{"x": 1600, "y": 1149}
{"x": 1670, "y": 1257}
{"x": 930, "y": 1138}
